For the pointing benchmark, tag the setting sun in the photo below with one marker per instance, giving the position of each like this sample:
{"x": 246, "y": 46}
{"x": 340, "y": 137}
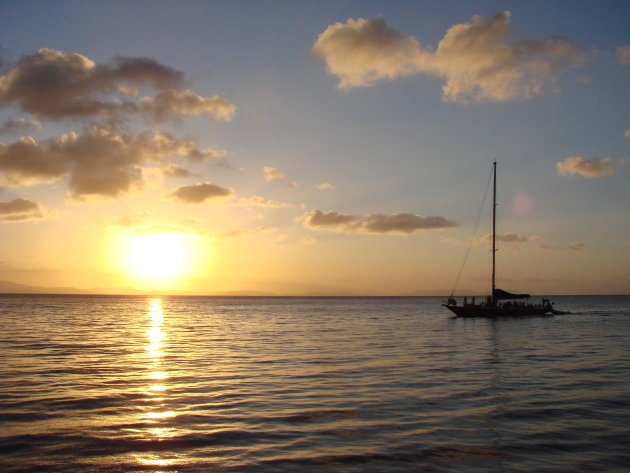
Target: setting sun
{"x": 162, "y": 255}
{"x": 159, "y": 260}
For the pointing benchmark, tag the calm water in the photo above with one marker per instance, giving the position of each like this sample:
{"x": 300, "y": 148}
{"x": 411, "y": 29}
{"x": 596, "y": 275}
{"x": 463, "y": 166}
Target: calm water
{"x": 133, "y": 384}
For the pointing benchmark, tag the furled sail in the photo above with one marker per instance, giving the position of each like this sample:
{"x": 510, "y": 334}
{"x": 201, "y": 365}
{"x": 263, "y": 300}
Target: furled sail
{"x": 500, "y": 294}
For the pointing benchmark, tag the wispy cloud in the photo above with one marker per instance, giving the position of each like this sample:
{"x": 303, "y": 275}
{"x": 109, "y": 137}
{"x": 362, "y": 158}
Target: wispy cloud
{"x": 401, "y": 222}
{"x": 248, "y": 232}
{"x": 575, "y": 246}
{"x": 173, "y": 170}
{"x": 622, "y": 55}
{"x": 199, "y": 193}
{"x": 257, "y": 201}
{"x": 507, "y": 237}
{"x": 588, "y": 168}
{"x": 133, "y": 219}
{"x": 273, "y": 174}
{"x": 483, "y": 60}
{"x": 324, "y": 186}
{"x": 161, "y": 229}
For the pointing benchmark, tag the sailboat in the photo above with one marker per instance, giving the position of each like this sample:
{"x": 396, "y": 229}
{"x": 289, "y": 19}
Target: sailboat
{"x": 499, "y": 303}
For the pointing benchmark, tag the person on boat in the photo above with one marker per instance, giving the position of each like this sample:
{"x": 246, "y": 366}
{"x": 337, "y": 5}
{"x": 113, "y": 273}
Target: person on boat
{"x": 465, "y": 300}
{"x": 451, "y": 301}
{"x": 473, "y": 300}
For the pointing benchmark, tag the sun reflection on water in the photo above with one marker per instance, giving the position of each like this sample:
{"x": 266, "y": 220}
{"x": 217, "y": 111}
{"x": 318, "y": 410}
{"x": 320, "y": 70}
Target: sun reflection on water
{"x": 157, "y": 411}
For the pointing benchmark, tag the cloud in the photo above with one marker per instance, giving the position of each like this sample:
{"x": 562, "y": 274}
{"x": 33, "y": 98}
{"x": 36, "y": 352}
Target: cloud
{"x": 198, "y": 193}
{"x": 272, "y": 174}
{"x": 133, "y": 220}
{"x": 142, "y": 70}
{"x": 56, "y": 84}
{"x": 577, "y": 246}
{"x": 20, "y": 125}
{"x": 479, "y": 61}
{"x": 507, "y": 237}
{"x": 240, "y": 233}
{"x": 324, "y": 186}
{"x": 623, "y": 55}
{"x": 588, "y": 168}
{"x": 161, "y": 229}
{"x": 257, "y": 201}
{"x": 401, "y": 222}
{"x": 573, "y": 246}
{"x": 186, "y": 102}
{"x": 364, "y": 51}
{"x": 176, "y": 171}
{"x": 26, "y": 162}
{"x": 20, "y": 209}
{"x": 99, "y": 162}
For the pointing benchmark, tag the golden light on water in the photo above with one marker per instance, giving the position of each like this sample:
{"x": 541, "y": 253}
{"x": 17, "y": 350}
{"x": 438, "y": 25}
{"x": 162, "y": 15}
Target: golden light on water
{"x": 155, "y": 351}
{"x": 157, "y": 410}
{"x": 155, "y": 347}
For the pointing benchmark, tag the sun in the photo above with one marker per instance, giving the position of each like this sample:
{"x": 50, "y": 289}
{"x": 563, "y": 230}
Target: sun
{"x": 161, "y": 255}
{"x": 160, "y": 260}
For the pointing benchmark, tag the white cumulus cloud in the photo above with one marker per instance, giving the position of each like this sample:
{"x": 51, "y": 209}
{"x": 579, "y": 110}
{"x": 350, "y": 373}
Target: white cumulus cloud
{"x": 483, "y": 60}
{"x": 588, "y": 168}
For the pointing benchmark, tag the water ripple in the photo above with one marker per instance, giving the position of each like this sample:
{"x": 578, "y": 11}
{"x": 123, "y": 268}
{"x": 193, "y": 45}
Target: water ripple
{"x": 112, "y": 384}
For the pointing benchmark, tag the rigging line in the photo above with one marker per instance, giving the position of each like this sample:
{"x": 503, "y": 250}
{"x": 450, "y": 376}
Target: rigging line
{"x": 471, "y": 241}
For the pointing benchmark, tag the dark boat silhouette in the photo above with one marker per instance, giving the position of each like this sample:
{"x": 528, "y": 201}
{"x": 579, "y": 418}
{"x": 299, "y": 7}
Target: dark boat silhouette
{"x": 499, "y": 303}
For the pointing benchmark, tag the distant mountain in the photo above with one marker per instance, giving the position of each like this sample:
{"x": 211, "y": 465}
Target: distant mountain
{"x": 245, "y": 294}
{"x": 7, "y": 287}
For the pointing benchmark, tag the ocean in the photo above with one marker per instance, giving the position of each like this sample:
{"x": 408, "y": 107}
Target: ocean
{"x": 211, "y": 384}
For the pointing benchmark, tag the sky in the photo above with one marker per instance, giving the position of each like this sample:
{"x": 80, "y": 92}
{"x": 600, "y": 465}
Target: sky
{"x": 324, "y": 147}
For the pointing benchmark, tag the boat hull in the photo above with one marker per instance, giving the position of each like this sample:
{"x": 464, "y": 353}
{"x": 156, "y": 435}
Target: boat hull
{"x": 496, "y": 312}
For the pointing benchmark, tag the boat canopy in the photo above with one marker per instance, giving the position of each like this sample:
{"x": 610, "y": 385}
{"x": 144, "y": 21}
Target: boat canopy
{"x": 500, "y": 294}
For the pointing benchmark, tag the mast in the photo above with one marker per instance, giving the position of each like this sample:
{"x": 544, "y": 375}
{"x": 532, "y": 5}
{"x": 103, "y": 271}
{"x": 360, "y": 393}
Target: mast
{"x": 494, "y": 222}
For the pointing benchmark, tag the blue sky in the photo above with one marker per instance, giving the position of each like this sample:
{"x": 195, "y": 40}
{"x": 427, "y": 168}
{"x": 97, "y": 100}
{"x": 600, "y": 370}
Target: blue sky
{"x": 397, "y": 144}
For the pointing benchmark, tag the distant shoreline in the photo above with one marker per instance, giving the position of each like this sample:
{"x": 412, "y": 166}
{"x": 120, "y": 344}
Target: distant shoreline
{"x": 266, "y": 296}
